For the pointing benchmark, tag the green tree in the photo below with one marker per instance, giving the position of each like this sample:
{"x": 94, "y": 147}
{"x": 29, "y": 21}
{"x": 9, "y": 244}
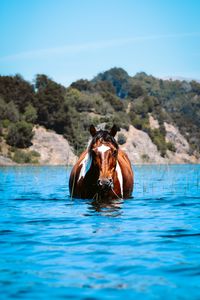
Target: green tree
{"x": 20, "y": 134}
{"x": 50, "y": 100}
{"x": 135, "y": 91}
{"x": 82, "y": 85}
{"x": 11, "y": 112}
{"x": 17, "y": 90}
{"x": 30, "y": 114}
{"x": 119, "y": 80}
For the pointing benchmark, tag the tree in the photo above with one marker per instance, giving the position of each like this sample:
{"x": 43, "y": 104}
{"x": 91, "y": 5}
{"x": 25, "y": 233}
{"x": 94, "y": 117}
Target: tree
{"x": 17, "y": 90}
{"x": 11, "y": 112}
{"x": 20, "y": 134}
{"x": 30, "y": 114}
{"x": 135, "y": 91}
{"x": 50, "y": 99}
{"x": 82, "y": 85}
{"x": 119, "y": 79}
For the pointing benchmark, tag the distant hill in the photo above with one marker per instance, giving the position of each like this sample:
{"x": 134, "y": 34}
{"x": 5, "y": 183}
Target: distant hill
{"x": 111, "y": 97}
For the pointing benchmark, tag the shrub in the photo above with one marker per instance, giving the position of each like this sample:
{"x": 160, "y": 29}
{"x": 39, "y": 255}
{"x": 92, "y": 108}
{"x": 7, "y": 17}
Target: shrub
{"x": 145, "y": 157}
{"x": 5, "y": 123}
{"x": 30, "y": 114}
{"x": 158, "y": 138}
{"x": 121, "y": 139}
{"x": 171, "y": 147}
{"x": 11, "y": 112}
{"x": 140, "y": 123}
{"x": 20, "y": 134}
{"x": 22, "y": 157}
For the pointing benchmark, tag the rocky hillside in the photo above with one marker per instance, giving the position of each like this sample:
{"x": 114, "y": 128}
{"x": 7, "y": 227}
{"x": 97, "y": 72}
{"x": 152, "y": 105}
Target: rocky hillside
{"x": 47, "y": 123}
{"x": 48, "y": 148}
{"x": 53, "y": 149}
{"x": 141, "y": 149}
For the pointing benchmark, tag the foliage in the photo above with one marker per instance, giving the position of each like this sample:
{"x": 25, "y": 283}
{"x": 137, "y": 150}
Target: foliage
{"x": 158, "y": 138}
{"x": 22, "y": 157}
{"x": 119, "y": 80}
{"x": 8, "y": 111}
{"x": 145, "y": 158}
{"x": 20, "y": 134}
{"x": 111, "y": 97}
{"x": 82, "y": 85}
{"x": 121, "y": 138}
{"x": 30, "y": 114}
{"x": 17, "y": 90}
{"x": 135, "y": 91}
{"x": 49, "y": 100}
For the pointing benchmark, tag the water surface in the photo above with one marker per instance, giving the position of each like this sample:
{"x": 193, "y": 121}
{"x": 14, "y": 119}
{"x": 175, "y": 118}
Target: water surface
{"x": 55, "y": 247}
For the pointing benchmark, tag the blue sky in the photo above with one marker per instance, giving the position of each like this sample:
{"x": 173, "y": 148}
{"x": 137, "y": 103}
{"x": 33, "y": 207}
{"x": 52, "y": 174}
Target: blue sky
{"x": 73, "y": 39}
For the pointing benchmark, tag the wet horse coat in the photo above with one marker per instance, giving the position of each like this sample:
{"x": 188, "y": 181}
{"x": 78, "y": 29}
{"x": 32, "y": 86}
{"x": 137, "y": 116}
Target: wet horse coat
{"x": 102, "y": 171}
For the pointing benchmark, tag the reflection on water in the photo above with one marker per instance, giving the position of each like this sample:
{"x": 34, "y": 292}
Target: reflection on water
{"x": 146, "y": 247}
{"x": 107, "y": 208}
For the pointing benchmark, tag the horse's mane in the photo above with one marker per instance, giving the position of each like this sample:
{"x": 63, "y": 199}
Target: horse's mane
{"x": 105, "y": 136}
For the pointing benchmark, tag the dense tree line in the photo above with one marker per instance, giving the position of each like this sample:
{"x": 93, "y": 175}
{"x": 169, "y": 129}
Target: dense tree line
{"x": 111, "y": 97}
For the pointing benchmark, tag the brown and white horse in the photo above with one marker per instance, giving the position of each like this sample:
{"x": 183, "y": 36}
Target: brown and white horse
{"x": 103, "y": 171}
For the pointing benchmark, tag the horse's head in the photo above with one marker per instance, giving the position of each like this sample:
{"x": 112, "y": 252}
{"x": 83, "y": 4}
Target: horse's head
{"x": 104, "y": 151}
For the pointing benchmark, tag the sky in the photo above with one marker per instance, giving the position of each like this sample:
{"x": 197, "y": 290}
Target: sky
{"x": 73, "y": 39}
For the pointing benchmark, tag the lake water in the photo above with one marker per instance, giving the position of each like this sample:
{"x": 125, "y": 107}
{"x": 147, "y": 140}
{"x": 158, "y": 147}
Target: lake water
{"x": 54, "y": 247}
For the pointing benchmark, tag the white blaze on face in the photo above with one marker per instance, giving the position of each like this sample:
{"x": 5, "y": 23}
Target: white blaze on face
{"x": 103, "y": 148}
{"x": 120, "y": 178}
{"x": 86, "y": 164}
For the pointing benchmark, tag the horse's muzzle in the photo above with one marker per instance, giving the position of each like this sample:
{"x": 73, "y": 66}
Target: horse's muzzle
{"x": 105, "y": 184}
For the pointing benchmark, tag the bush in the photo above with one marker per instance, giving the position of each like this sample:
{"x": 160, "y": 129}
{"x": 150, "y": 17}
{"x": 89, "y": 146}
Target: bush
{"x": 171, "y": 147}
{"x": 121, "y": 139}
{"x": 158, "y": 138}
{"x": 20, "y": 134}
{"x": 30, "y": 114}
{"x": 11, "y": 112}
{"x": 22, "y": 157}
{"x": 8, "y": 111}
{"x": 5, "y": 123}
{"x": 140, "y": 123}
{"x": 145, "y": 158}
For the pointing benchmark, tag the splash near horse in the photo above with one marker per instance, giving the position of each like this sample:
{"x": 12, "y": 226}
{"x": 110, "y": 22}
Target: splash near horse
{"x": 103, "y": 171}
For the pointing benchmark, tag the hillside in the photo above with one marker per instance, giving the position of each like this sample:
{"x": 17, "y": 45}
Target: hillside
{"x": 160, "y": 111}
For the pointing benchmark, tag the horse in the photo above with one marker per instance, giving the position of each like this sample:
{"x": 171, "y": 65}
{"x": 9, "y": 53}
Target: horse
{"x": 103, "y": 171}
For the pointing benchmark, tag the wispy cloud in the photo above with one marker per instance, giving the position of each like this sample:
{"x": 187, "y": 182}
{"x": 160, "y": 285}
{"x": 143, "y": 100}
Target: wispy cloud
{"x": 91, "y": 46}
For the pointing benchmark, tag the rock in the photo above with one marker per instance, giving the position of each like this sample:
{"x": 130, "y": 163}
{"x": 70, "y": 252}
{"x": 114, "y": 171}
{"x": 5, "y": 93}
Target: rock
{"x": 53, "y": 148}
{"x": 174, "y": 136}
{"x": 4, "y": 161}
{"x": 153, "y": 123}
{"x": 140, "y": 148}
{"x": 182, "y": 154}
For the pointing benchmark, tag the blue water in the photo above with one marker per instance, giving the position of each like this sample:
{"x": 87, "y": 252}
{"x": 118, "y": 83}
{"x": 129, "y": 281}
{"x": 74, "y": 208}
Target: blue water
{"x": 54, "y": 247}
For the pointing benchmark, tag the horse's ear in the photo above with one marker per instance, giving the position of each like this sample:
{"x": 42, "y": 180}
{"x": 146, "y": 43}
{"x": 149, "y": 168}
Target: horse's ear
{"x": 92, "y": 130}
{"x": 114, "y": 130}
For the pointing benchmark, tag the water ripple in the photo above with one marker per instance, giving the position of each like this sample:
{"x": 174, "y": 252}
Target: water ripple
{"x": 145, "y": 247}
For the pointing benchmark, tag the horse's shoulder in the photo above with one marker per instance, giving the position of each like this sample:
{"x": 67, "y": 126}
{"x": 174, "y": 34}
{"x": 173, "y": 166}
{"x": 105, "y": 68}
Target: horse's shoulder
{"x": 77, "y": 167}
{"x": 81, "y": 157}
{"x": 123, "y": 157}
